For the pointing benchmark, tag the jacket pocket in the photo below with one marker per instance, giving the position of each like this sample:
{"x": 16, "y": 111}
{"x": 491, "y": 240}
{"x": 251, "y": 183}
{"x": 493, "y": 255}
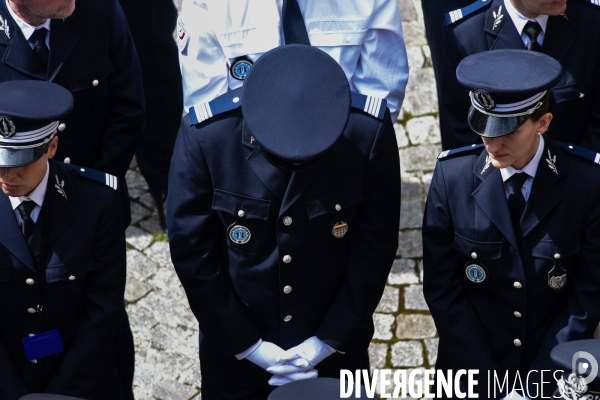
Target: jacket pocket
{"x": 349, "y": 31}
{"x": 482, "y": 261}
{"x": 577, "y": 90}
{"x": 346, "y": 199}
{"x": 548, "y": 249}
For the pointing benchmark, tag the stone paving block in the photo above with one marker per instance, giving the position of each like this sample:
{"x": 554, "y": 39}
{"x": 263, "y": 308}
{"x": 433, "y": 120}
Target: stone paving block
{"x": 414, "y": 33}
{"x": 166, "y": 279}
{"x": 411, "y": 206}
{"x": 421, "y": 78}
{"x": 378, "y": 355}
{"x": 401, "y": 137}
{"x": 421, "y": 101}
{"x": 423, "y": 130}
{"x": 140, "y": 319}
{"x": 138, "y": 212}
{"x": 152, "y": 224}
{"x": 419, "y": 10}
{"x": 427, "y": 54}
{"x": 146, "y": 376}
{"x": 173, "y": 390}
{"x": 427, "y": 182}
{"x": 146, "y": 200}
{"x": 383, "y": 326}
{"x": 137, "y": 237}
{"x": 410, "y": 243}
{"x": 415, "y": 326}
{"x": 403, "y": 272}
{"x": 414, "y": 299}
{"x": 407, "y": 354}
{"x": 167, "y": 310}
{"x": 432, "y": 350}
{"x": 159, "y": 251}
{"x": 415, "y": 56}
{"x": 390, "y": 300}
{"x": 135, "y": 289}
{"x": 136, "y": 184}
{"x": 419, "y": 158}
{"x": 407, "y": 10}
{"x": 139, "y": 265}
{"x": 420, "y": 269}
{"x": 192, "y": 376}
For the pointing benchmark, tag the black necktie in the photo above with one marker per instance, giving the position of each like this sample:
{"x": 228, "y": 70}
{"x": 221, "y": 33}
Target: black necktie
{"x": 294, "y": 30}
{"x": 516, "y": 200}
{"x": 532, "y": 30}
{"x": 25, "y": 209}
{"x": 39, "y": 45}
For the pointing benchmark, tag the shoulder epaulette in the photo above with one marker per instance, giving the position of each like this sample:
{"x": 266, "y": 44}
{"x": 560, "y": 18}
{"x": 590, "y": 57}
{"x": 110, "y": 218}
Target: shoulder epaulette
{"x": 594, "y": 2}
{"x": 456, "y": 15}
{"x": 226, "y": 102}
{"x": 582, "y": 152}
{"x": 444, "y": 155}
{"x": 102, "y": 177}
{"x": 370, "y": 104}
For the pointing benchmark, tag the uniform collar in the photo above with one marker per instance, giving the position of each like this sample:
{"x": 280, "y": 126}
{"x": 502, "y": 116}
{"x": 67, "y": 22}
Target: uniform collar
{"x": 520, "y": 21}
{"x": 37, "y": 195}
{"x": 24, "y": 26}
{"x": 531, "y": 166}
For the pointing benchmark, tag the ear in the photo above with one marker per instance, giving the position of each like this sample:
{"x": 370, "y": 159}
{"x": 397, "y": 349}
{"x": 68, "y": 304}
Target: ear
{"x": 52, "y": 147}
{"x": 544, "y": 123}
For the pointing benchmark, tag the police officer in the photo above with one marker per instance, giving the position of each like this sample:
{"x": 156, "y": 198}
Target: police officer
{"x": 567, "y": 31}
{"x": 220, "y": 40}
{"x": 283, "y": 217}
{"x": 62, "y": 256}
{"x": 510, "y": 232}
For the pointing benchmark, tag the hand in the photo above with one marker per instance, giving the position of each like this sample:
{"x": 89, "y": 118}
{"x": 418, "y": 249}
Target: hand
{"x": 313, "y": 350}
{"x": 278, "y": 380}
{"x": 290, "y": 367}
{"x": 266, "y": 355}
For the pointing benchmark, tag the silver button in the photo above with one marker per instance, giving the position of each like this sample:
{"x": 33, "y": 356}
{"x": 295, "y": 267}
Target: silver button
{"x": 581, "y": 95}
{"x": 287, "y": 259}
{"x": 95, "y": 82}
{"x": 31, "y": 334}
{"x": 517, "y": 342}
{"x": 31, "y": 310}
{"x": 62, "y": 127}
{"x": 518, "y": 314}
{"x": 570, "y": 147}
{"x": 34, "y": 361}
{"x": 236, "y": 99}
{"x": 338, "y": 207}
{"x": 287, "y": 318}
{"x": 473, "y": 255}
{"x": 287, "y": 221}
{"x": 71, "y": 278}
{"x": 67, "y": 160}
{"x": 241, "y": 213}
{"x": 287, "y": 289}
{"x": 517, "y": 285}
{"x": 557, "y": 256}
{"x": 29, "y": 281}
{"x": 82, "y": 169}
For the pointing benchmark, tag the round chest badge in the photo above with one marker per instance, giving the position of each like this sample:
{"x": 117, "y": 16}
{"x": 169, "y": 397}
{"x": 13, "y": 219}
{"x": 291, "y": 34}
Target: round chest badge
{"x": 240, "y": 68}
{"x": 476, "y": 273}
{"x": 239, "y": 234}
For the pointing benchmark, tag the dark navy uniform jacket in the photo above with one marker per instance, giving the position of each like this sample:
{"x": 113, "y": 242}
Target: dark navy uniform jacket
{"x": 85, "y": 275}
{"x": 236, "y": 291}
{"x": 513, "y": 319}
{"x": 91, "y": 54}
{"x": 573, "y": 40}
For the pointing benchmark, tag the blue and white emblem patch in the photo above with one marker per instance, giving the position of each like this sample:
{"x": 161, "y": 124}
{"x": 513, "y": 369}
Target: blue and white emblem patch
{"x": 240, "y": 68}
{"x": 239, "y": 234}
{"x": 476, "y": 273}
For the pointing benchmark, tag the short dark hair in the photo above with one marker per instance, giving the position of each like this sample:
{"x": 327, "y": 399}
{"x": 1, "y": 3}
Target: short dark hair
{"x": 537, "y": 114}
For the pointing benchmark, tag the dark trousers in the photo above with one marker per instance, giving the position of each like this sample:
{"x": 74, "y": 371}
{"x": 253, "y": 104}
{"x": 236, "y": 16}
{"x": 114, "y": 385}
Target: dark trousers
{"x": 124, "y": 355}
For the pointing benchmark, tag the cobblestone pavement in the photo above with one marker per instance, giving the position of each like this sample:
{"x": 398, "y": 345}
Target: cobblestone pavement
{"x": 166, "y": 332}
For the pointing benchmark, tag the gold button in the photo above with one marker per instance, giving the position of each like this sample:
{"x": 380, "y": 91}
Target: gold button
{"x": 241, "y": 214}
{"x": 288, "y": 318}
{"x": 287, "y": 289}
{"x": 287, "y": 221}
{"x": 287, "y": 259}
{"x": 338, "y": 207}
{"x": 31, "y": 310}
{"x": 473, "y": 255}
{"x": 95, "y": 82}
{"x": 517, "y": 342}
{"x": 517, "y": 285}
{"x": 518, "y": 314}
{"x": 29, "y": 281}
{"x": 71, "y": 278}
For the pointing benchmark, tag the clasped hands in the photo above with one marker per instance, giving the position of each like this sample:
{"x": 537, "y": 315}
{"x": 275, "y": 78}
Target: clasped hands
{"x": 290, "y": 365}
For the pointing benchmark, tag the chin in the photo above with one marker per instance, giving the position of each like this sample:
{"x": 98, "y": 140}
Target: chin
{"x": 500, "y": 164}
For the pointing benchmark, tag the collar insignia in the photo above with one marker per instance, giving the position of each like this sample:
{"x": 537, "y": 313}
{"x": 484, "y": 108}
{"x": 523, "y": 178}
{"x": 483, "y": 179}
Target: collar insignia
{"x": 488, "y": 161}
{"x": 551, "y": 160}
{"x": 497, "y": 17}
{"x": 4, "y": 26}
{"x": 59, "y": 185}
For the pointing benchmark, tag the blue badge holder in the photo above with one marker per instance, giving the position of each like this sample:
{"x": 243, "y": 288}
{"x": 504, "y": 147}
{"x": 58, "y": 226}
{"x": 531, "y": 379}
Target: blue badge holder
{"x": 43, "y": 345}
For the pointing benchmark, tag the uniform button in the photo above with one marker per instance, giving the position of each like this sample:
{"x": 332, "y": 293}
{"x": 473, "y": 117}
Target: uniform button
{"x": 62, "y": 127}
{"x": 581, "y": 95}
{"x": 287, "y": 259}
{"x": 338, "y": 207}
{"x": 287, "y": 318}
{"x": 31, "y": 334}
{"x": 71, "y": 278}
{"x": 29, "y": 281}
{"x": 557, "y": 256}
{"x": 82, "y": 169}
{"x": 95, "y": 82}
{"x": 517, "y": 285}
{"x": 236, "y": 99}
{"x": 31, "y": 310}
{"x": 518, "y": 314}
{"x": 517, "y": 342}
{"x": 287, "y": 289}
{"x": 67, "y": 160}
{"x": 34, "y": 361}
{"x": 287, "y": 221}
{"x": 241, "y": 213}
{"x": 473, "y": 255}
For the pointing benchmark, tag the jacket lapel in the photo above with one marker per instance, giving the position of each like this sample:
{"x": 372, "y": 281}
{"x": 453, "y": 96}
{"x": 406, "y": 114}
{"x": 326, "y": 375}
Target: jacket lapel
{"x": 560, "y": 36}
{"x": 545, "y": 193}
{"x": 491, "y": 199}
{"x": 62, "y": 43}
{"x": 11, "y": 236}
{"x": 500, "y": 30}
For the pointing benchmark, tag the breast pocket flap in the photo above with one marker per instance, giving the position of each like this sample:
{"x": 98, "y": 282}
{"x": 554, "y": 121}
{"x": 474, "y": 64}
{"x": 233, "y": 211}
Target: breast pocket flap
{"x": 90, "y": 76}
{"x": 70, "y": 271}
{"x": 327, "y": 203}
{"x": 232, "y": 203}
{"x": 577, "y": 90}
{"x": 549, "y": 248}
{"x": 480, "y": 250}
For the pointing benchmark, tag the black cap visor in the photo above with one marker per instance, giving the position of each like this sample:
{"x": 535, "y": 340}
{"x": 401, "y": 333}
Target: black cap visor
{"x": 11, "y": 158}
{"x": 492, "y": 126}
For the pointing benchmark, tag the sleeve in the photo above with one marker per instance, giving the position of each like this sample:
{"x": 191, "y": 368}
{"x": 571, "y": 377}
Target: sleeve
{"x": 195, "y": 233}
{"x": 382, "y": 68}
{"x": 462, "y": 338}
{"x": 90, "y": 352}
{"x": 201, "y": 57}
{"x": 372, "y": 247}
{"x": 11, "y": 385}
{"x": 125, "y": 123}
{"x": 454, "y": 98}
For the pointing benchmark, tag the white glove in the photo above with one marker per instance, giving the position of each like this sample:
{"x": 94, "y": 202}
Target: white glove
{"x": 290, "y": 367}
{"x": 313, "y": 350}
{"x": 266, "y": 355}
{"x": 278, "y": 380}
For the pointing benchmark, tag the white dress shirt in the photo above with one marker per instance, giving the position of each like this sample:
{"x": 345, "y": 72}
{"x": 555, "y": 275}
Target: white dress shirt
{"x": 520, "y": 21}
{"x": 29, "y": 29}
{"x": 37, "y": 196}
{"x": 529, "y": 169}
{"x": 363, "y": 36}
